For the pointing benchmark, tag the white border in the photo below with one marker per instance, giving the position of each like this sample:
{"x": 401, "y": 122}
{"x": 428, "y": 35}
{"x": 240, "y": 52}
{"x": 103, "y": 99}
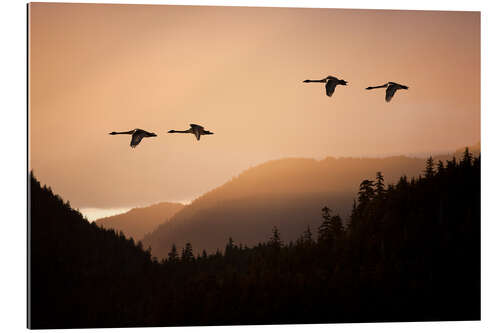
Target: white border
{"x": 13, "y": 158}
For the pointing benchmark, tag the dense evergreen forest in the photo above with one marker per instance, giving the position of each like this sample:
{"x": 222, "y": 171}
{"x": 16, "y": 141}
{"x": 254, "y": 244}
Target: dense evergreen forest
{"x": 410, "y": 251}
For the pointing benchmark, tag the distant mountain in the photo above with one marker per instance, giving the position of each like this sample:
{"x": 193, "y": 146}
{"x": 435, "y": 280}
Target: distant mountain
{"x": 288, "y": 193}
{"x": 138, "y": 221}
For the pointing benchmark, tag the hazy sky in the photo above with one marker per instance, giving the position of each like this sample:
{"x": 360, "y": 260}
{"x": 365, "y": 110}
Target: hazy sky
{"x": 239, "y": 72}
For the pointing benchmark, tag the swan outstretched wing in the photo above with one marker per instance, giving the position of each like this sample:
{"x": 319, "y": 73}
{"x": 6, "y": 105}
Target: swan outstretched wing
{"x": 193, "y": 126}
{"x": 197, "y": 132}
{"x": 136, "y": 138}
{"x": 390, "y": 91}
{"x": 330, "y": 87}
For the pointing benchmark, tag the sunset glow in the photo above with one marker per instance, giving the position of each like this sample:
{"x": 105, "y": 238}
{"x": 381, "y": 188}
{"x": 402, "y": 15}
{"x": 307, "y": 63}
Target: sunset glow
{"x": 238, "y": 71}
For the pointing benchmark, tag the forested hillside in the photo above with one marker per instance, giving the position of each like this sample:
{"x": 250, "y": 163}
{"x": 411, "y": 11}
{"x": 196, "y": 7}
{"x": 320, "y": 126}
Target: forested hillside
{"x": 286, "y": 193}
{"x": 409, "y": 251}
{"x": 82, "y": 275}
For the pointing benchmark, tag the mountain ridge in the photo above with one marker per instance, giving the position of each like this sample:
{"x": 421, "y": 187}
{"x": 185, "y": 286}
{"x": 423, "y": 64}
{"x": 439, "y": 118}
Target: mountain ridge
{"x": 138, "y": 221}
{"x": 287, "y": 193}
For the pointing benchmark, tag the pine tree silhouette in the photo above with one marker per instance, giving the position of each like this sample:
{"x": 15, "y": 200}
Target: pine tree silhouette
{"x": 379, "y": 185}
{"x": 187, "y": 253}
{"x": 275, "y": 240}
{"x": 173, "y": 256}
{"x": 429, "y": 168}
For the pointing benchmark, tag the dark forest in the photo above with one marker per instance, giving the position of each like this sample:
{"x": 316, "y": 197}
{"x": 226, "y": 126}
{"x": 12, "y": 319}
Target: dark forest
{"x": 409, "y": 251}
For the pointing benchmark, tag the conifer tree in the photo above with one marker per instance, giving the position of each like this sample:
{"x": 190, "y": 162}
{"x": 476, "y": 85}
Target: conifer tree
{"x": 326, "y": 213}
{"x": 230, "y": 246}
{"x": 379, "y": 185}
{"x": 353, "y": 218}
{"x": 366, "y": 192}
{"x": 275, "y": 240}
{"x": 450, "y": 165}
{"x": 337, "y": 227}
{"x": 402, "y": 183}
{"x": 331, "y": 229}
{"x": 307, "y": 236}
{"x": 325, "y": 227}
{"x": 187, "y": 253}
{"x": 173, "y": 256}
{"x": 467, "y": 158}
{"x": 440, "y": 167}
{"x": 429, "y": 167}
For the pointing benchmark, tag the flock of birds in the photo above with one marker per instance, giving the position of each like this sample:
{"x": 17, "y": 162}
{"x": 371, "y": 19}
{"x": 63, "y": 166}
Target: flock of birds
{"x": 197, "y": 130}
{"x": 332, "y": 82}
{"x": 138, "y": 134}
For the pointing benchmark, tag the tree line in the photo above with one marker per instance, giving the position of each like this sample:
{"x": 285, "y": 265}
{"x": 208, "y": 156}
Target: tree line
{"x": 409, "y": 251}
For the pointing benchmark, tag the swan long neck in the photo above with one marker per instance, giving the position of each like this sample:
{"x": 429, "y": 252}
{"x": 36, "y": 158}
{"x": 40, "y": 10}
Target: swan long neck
{"x": 127, "y": 132}
{"x": 322, "y": 81}
{"x": 382, "y": 86}
{"x": 174, "y": 131}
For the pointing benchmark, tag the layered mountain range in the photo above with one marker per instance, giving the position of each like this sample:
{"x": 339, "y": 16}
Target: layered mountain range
{"x": 287, "y": 193}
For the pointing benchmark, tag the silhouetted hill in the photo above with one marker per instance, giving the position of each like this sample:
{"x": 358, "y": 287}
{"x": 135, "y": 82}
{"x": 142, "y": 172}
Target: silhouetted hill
{"x": 82, "y": 275}
{"x": 138, "y": 221}
{"x": 410, "y": 251}
{"x": 286, "y": 193}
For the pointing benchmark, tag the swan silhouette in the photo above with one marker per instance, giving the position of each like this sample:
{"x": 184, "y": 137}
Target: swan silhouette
{"x": 137, "y": 135}
{"x": 331, "y": 83}
{"x": 197, "y": 130}
{"x": 392, "y": 87}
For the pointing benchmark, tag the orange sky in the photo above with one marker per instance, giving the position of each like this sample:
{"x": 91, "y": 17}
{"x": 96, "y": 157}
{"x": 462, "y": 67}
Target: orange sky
{"x": 238, "y": 71}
